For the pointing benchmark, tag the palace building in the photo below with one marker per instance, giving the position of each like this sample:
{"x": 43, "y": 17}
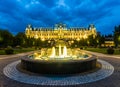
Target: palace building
{"x": 60, "y": 31}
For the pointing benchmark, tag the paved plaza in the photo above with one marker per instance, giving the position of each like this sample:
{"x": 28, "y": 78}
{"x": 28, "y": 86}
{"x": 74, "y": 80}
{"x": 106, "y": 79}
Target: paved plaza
{"x": 111, "y": 81}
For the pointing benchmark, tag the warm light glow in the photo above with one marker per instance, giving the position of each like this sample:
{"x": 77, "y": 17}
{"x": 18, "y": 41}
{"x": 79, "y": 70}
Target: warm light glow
{"x": 43, "y": 39}
{"x": 65, "y": 51}
{"x": 60, "y": 52}
{"x": 60, "y": 32}
{"x": 53, "y": 52}
{"x": 53, "y": 55}
{"x": 78, "y": 39}
{"x": 36, "y": 36}
{"x": 72, "y": 41}
{"x": 85, "y": 36}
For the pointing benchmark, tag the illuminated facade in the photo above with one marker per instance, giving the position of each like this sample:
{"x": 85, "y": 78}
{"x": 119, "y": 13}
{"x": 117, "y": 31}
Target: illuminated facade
{"x": 60, "y": 31}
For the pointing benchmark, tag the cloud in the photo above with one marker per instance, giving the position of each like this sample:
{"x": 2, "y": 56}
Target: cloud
{"x": 16, "y": 14}
{"x": 48, "y": 3}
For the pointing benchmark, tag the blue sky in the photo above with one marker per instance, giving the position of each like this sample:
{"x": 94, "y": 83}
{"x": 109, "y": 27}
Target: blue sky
{"x": 15, "y": 15}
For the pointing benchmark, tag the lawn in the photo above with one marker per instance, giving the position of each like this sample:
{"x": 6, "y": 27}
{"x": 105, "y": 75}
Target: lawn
{"x": 2, "y": 52}
{"x": 103, "y": 50}
{"x": 16, "y": 51}
{"x": 99, "y": 50}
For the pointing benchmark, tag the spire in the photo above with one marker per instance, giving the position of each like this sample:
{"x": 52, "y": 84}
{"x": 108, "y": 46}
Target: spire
{"x": 91, "y": 26}
{"x": 29, "y": 26}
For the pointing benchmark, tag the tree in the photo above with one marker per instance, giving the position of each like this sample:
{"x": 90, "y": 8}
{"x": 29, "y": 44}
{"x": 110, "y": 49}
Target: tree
{"x": 100, "y": 39}
{"x": 6, "y": 38}
{"x": 30, "y": 42}
{"x": 116, "y": 33}
{"x": 20, "y": 39}
{"x": 92, "y": 41}
{"x": 83, "y": 42}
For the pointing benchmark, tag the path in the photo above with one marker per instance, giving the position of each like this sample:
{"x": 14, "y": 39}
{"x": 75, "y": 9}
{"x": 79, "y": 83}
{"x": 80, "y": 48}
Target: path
{"x": 112, "y": 81}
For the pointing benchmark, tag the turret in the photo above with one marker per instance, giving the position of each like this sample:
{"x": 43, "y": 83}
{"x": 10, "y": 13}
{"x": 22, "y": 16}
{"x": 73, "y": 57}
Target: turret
{"x": 92, "y": 29}
{"x": 60, "y": 26}
{"x": 91, "y": 26}
{"x": 28, "y": 30}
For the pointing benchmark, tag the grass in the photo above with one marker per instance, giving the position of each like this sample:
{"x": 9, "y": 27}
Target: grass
{"x": 16, "y": 51}
{"x": 2, "y": 52}
{"x": 99, "y": 50}
{"x": 103, "y": 50}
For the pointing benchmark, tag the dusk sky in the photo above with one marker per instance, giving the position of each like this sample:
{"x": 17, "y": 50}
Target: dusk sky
{"x": 15, "y": 15}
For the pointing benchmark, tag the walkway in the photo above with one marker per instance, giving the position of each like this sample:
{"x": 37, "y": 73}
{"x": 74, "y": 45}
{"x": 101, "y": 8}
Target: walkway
{"x": 102, "y": 55}
{"x": 14, "y": 55}
{"x": 111, "y": 81}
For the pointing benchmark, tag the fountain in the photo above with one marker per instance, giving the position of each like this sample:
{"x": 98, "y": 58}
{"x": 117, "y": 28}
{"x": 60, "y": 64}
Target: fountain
{"x": 60, "y": 59}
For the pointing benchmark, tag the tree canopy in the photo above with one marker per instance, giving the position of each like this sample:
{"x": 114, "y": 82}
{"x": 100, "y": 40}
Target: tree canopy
{"x": 116, "y": 33}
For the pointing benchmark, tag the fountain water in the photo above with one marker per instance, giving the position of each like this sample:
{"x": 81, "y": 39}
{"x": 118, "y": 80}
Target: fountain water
{"x": 65, "y": 51}
{"x": 53, "y": 52}
{"x": 59, "y": 59}
{"x": 61, "y": 52}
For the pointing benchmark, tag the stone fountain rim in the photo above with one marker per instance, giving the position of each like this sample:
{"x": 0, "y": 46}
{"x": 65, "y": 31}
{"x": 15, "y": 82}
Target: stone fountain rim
{"x": 26, "y": 58}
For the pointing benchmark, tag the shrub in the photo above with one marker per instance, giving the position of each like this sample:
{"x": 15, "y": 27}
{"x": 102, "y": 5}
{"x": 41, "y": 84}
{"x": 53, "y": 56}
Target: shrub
{"x": 9, "y": 50}
{"x": 18, "y": 47}
{"x": 110, "y": 50}
{"x": 81, "y": 48}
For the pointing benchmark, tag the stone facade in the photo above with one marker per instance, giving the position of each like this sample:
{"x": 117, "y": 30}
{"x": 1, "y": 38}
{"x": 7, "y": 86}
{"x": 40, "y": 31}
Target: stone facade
{"x": 60, "y": 31}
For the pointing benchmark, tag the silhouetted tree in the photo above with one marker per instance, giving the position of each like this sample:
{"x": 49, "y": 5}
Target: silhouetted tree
{"x": 20, "y": 39}
{"x": 6, "y": 38}
{"x": 30, "y": 42}
{"x": 116, "y": 33}
{"x": 92, "y": 41}
{"x": 100, "y": 39}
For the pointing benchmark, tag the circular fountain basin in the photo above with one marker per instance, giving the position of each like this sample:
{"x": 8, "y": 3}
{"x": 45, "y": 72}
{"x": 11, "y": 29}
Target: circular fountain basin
{"x": 58, "y": 65}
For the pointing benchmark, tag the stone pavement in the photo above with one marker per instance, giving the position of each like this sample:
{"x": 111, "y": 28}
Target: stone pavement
{"x": 103, "y": 55}
{"x": 11, "y": 72}
{"x": 15, "y": 55}
{"x": 111, "y": 81}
